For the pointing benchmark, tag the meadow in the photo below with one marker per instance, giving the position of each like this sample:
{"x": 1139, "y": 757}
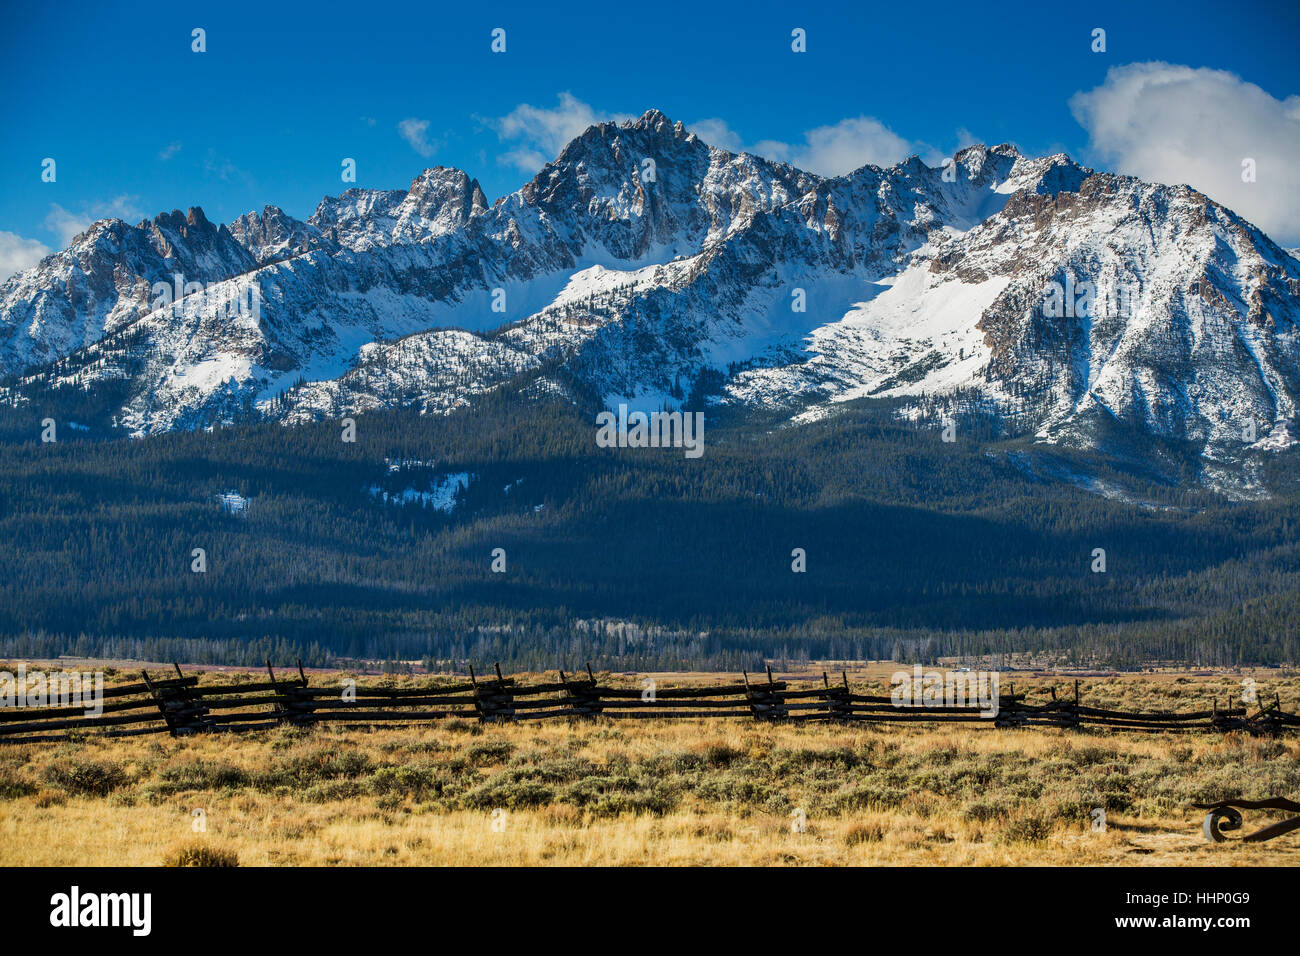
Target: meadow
{"x": 685, "y": 792}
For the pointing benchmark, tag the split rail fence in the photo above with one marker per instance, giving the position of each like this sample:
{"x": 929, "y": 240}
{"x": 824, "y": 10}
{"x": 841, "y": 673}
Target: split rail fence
{"x": 180, "y": 706}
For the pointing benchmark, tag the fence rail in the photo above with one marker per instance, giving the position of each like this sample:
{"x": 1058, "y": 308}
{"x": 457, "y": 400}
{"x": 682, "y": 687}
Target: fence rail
{"x": 181, "y": 707}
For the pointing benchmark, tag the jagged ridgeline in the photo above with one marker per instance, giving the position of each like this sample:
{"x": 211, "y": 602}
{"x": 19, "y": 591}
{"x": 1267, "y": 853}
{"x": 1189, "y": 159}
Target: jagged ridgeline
{"x": 646, "y": 266}
{"x": 384, "y": 548}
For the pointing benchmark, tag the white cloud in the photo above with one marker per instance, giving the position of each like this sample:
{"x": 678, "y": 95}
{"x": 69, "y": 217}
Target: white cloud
{"x": 416, "y": 132}
{"x": 17, "y": 253}
{"x": 538, "y": 134}
{"x": 828, "y": 150}
{"x": 67, "y": 224}
{"x": 965, "y": 138}
{"x": 844, "y": 147}
{"x": 1174, "y": 124}
{"x": 225, "y": 170}
{"x": 716, "y": 132}
{"x": 169, "y": 151}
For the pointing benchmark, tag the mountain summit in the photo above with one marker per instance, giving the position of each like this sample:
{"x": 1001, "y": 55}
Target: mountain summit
{"x": 651, "y": 268}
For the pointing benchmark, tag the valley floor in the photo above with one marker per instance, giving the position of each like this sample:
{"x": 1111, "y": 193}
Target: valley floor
{"x": 649, "y": 793}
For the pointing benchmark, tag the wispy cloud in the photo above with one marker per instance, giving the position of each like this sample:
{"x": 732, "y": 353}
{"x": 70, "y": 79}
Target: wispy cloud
{"x": 416, "y": 133}
{"x": 843, "y": 147}
{"x": 834, "y": 149}
{"x": 168, "y": 151}
{"x": 67, "y": 224}
{"x": 17, "y": 253}
{"x": 1175, "y": 124}
{"x": 716, "y": 132}
{"x": 224, "y": 169}
{"x": 536, "y": 134}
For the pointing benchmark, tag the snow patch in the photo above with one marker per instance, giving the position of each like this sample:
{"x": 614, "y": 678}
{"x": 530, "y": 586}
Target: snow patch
{"x": 442, "y": 497}
{"x": 233, "y": 503}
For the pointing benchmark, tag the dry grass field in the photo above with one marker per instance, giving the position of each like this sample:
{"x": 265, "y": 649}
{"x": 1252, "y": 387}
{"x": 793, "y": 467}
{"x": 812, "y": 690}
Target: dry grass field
{"x": 709, "y": 791}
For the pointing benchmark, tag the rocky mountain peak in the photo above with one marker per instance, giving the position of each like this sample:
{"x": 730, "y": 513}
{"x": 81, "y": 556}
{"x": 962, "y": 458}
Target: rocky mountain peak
{"x": 272, "y": 235}
{"x": 642, "y": 260}
{"x": 439, "y": 201}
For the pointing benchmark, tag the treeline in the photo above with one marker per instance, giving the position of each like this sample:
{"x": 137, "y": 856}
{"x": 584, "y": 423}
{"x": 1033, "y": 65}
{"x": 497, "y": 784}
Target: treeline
{"x": 914, "y": 547}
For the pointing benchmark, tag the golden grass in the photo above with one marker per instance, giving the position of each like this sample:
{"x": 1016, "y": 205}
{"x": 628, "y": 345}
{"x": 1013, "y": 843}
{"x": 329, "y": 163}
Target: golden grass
{"x": 722, "y": 792}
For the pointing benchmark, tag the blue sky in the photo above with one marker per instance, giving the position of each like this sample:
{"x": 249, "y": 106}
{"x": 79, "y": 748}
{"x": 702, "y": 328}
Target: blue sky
{"x": 138, "y": 123}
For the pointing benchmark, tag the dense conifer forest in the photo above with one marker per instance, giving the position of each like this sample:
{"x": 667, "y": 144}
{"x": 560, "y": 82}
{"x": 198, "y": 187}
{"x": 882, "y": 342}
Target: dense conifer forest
{"x": 630, "y": 558}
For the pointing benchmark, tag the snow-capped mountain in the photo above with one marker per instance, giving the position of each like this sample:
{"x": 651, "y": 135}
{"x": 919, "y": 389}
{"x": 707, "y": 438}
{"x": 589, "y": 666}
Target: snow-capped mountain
{"x": 102, "y": 283}
{"x": 649, "y": 266}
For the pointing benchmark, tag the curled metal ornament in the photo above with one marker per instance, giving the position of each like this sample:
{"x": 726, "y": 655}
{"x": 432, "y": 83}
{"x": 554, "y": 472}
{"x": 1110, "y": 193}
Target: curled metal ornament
{"x": 1224, "y": 816}
{"x": 1218, "y": 820}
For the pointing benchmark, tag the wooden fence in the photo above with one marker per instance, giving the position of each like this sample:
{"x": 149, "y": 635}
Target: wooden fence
{"x": 181, "y": 706}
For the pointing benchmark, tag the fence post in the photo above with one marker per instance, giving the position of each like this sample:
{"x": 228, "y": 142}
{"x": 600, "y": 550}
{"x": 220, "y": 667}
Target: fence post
{"x": 277, "y": 708}
{"x": 493, "y": 699}
{"x": 1266, "y": 722}
{"x": 1073, "y": 709}
{"x": 184, "y": 712}
{"x": 584, "y": 697}
{"x": 568, "y": 693}
{"x": 1010, "y": 713}
{"x": 300, "y": 705}
{"x": 764, "y": 703}
{"x": 478, "y": 706}
{"x": 166, "y": 714}
{"x": 779, "y": 710}
{"x": 837, "y": 699}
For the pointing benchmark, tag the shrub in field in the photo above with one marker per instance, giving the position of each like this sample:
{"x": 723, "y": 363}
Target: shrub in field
{"x": 411, "y": 745}
{"x": 285, "y": 737}
{"x": 88, "y": 778}
{"x": 458, "y": 725}
{"x": 315, "y": 766}
{"x": 332, "y": 790}
{"x": 1029, "y": 825}
{"x": 673, "y": 763}
{"x": 416, "y": 781}
{"x": 1088, "y": 756}
{"x": 13, "y": 787}
{"x": 199, "y": 775}
{"x": 859, "y": 833}
{"x": 1075, "y": 809}
{"x": 654, "y": 801}
{"x": 737, "y": 788}
{"x": 511, "y": 794}
{"x": 982, "y": 811}
{"x": 614, "y": 795}
{"x": 721, "y": 755}
{"x": 832, "y": 759}
{"x": 199, "y": 853}
{"x": 591, "y": 789}
{"x": 543, "y": 769}
{"x": 868, "y": 795}
{"x": 490, "y": 751}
